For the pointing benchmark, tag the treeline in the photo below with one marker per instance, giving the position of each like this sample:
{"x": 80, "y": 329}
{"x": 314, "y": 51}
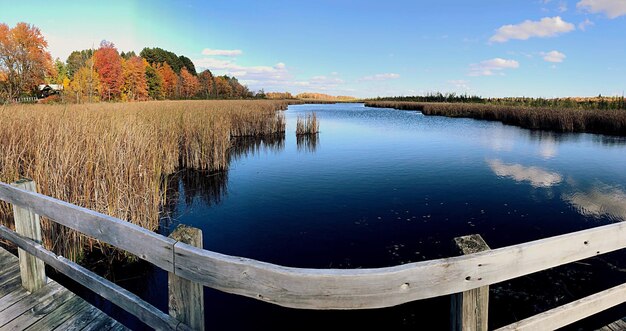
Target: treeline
{"x": 105, "y": 74}
{"x": 599, "y": 102}
{"x": 322, "y": 96}
{"x": 155, "y": 74}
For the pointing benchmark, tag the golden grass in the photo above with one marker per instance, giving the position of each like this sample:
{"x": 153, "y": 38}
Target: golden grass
{"x": 115, "y": 158}
{"x": 307, "y": 125}
{"x": 557, "y": 119}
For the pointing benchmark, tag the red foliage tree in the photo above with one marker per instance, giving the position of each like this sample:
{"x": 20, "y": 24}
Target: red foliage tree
{"x": 108, "y": 64}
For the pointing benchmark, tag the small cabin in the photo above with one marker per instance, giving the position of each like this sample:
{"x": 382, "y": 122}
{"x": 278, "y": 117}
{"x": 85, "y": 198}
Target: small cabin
{"x": 46, "y": 90}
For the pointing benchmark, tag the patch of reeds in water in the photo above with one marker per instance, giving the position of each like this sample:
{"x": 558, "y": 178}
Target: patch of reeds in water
{"x": 307, "y": 125}
{"x": 611, "y": 122}
{"x": 115, "y": 158}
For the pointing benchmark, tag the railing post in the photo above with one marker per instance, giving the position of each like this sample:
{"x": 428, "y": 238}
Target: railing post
{"x": 469, "y": 309}
{"x": 186, "y": 298}
{"x": 32, "y": 269}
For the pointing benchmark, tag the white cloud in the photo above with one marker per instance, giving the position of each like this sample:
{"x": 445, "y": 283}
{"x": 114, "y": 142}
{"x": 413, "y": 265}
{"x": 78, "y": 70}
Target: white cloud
{"x": 611, "y": 8}
{"x": 491, "y": 67}
{"x": 379, "y": 77}
{"x": 585, "y": 24}
{"x": 536, "y": 176}
{"x": 546, "y": 27}
{"x": 553, "y": 56}
{"x": 221, "y": 52}
{"x": 562, "y": 7}
{"x": 277, "y": 77}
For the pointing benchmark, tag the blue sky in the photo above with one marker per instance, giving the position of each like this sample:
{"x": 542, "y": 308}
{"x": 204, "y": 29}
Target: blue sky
{"x": 543, "y": 48}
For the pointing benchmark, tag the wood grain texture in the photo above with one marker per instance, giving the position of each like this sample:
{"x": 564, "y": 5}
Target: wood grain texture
{"x": 143, "y": 243}
{"x": 27, "y": 224}
{"x": 186, "y": 298}
{"x": 385, "y": 287}
{"x": 44, "y": 306}
{"x": 59, "y": 315}
{"x": 110, "y": 291}
{"x": 469, "y": 309}
{"x": 18, "y": 308}
{"x": 573, "y": 311}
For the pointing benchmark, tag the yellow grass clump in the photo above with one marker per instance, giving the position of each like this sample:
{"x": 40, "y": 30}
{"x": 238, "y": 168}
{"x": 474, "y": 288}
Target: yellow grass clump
{"x": 307, "y": 125}
{"x": 115, "y": 157}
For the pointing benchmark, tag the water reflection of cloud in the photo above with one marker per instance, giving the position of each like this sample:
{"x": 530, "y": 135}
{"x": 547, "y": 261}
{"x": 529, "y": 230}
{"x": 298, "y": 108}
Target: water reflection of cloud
{"x": 600, "y": 201}
{"x": 548, "y": 147}
{"x": 536, "y": 176}
{"x": 500, "y": 139}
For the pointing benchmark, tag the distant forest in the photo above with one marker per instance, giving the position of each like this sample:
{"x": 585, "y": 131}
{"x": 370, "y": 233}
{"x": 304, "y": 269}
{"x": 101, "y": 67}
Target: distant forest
{"x": 599, "y": 102}
{"x": 104, "y": 74}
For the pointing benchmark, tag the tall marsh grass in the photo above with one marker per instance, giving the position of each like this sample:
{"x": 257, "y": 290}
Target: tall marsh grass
{"x": 611, "y": 122}
{"x": 307, "y": 125}
{"x": 115, "y": 158}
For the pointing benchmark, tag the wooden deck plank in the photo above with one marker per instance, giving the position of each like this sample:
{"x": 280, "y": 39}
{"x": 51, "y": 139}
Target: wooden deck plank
{"x": 101, "y": 322}
{"x": 10, "y": 286}
{"x": 53, "y": 307}
{"x": 52, "y": 290}
{"x": 117, "y": 326}
{"x": 6, "y": 259}
{"x": 83, "y": 316}
{"x": 618, "y": 325}
{"x": 43, "y": 308}
{"x": 16, "y": 295}
{"x": 9, "y": 272}
{"x": 58, "y": 316}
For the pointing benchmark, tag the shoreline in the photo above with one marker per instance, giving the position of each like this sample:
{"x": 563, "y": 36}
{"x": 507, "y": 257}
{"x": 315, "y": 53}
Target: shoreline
{"x": 609, "y": 122}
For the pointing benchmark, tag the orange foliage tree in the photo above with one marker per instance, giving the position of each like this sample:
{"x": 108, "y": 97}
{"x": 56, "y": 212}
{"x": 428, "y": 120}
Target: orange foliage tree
{"x": 207, "y": 86}
{"x": 135, "y": 86}
{"x": 108, "y": 64}
{"x": 24, "y": 60}
{"x": 224, "y": 90}
{"x": 189, "y": 84}
{"x": 170, "y": 79}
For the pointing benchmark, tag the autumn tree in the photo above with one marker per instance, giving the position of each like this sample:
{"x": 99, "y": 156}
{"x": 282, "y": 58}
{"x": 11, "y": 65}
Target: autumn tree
{"x": 135, "y": 86}
{"x": 85, "y": 86}
{"x": 170, "y": 79}
{"x": 155, "y": 83}
{"x": 77, "y": 60}
{"x": 189, "y": 84}
{"x": 207, "y": 86}
{"x": 61, "y": 74}
{"x": 24, "y": 60}
{"x": 224, "y": 90}
{"x": 108, "y": 64}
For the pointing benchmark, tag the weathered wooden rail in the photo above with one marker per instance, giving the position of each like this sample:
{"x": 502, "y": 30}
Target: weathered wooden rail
{"x": 465, "y": 277}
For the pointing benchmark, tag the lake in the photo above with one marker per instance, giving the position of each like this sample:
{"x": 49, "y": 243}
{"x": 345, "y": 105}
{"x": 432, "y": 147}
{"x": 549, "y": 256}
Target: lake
{"x": 383, "y": 187}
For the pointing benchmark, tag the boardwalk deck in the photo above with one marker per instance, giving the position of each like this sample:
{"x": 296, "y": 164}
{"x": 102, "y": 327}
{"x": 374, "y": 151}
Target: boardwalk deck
{"x": 618, "y": 325}
{"x": 52, "y": 307}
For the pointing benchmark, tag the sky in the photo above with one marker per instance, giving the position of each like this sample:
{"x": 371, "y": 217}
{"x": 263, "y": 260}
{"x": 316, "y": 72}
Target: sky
{"x": 495, "y": 48}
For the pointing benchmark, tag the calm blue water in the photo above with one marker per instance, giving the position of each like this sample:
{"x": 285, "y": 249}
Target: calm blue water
{"x": 382, "y": 187}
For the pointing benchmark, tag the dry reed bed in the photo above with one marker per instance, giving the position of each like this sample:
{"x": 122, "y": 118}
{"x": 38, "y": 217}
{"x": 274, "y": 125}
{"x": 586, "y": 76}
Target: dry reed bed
{"x": 115, "y": 158}
{"x": 564, "y": 120}
{"x": 307, "y": 125}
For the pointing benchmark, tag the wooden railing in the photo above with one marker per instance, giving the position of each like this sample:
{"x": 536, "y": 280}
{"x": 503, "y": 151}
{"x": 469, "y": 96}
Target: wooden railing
{"x": 326, "y": 288}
